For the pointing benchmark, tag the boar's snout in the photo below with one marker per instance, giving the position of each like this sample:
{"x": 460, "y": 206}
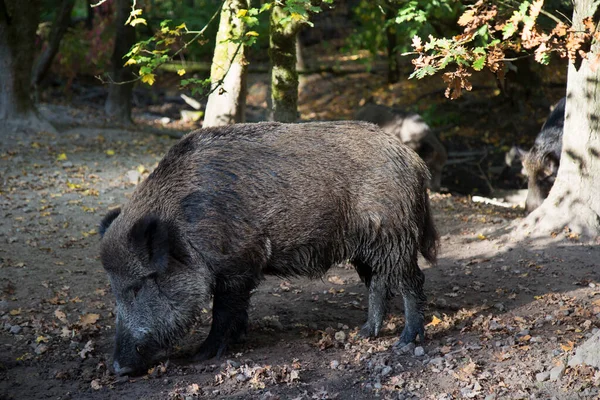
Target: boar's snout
{"x": 131, "y": 355}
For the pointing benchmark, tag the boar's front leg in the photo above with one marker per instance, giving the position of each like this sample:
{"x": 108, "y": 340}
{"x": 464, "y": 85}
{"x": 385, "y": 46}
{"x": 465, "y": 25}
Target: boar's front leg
{"x": 230, "y": 321}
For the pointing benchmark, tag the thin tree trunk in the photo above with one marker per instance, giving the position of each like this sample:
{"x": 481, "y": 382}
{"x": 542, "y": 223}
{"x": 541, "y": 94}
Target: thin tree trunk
{"x": 59, "y": 28}
{"x": 227, "y": 102}
{"x": 118, "y": 103}
{"x": 18, "y": 24}
{"x": 392, "y": 43}
{"x": 574, "y": 200}
{"x": 284, "y": 76}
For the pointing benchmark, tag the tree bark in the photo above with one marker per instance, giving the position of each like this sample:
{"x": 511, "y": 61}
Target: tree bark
{"x": 227, "y": 101}
{"x": 18, "y": 24}
{"x": 59, "y": 28}
{"x": 118, "y": 103}
{"x": 574, "y": 200}
{"x": 284, "y": 76}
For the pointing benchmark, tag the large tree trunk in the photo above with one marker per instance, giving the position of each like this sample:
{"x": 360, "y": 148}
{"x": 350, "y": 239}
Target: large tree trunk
{"x": 227, "y": 102}
{"x": 574, "y": 200}
{"x": 284, "y": 76}
{"x": 118, "y": 103}
{"x": 18, "y": 24}
{"x": 59, "y": 28}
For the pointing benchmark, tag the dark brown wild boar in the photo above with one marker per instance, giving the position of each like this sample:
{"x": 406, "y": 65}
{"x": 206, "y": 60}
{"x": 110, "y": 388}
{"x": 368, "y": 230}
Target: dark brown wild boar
{"x": 228, "y": 205}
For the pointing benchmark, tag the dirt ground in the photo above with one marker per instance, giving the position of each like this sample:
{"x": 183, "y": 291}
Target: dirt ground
{"x": 505, "y": 316}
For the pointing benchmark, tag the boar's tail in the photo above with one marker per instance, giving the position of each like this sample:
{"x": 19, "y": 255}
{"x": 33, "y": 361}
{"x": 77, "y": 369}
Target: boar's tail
{"x": 429, "y": 236}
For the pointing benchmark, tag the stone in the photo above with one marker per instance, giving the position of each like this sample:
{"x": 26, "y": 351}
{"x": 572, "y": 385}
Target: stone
{"x": 542, "y": 376}
{"x": 588, "y": 352}
{"x": 419, "y": 351}
{"x": 557, "y": 372}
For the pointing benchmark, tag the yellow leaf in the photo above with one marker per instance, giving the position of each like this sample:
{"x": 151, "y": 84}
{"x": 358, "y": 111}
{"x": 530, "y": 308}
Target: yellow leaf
{"x": 41, "y": 339}
{"x": 296, "y": 16}
{"x": 35, "y": 145}
{"x": 110, "y": 152}
{"x": 136, "y": 12}
{"x": 182, "y": 26}
{"x": 568, "y": 346}
{"x": 88, "y": 319}
{"x": 61, "y": 157}
{"x": 15, "y": 312}
{"x": 138, "y": 21}
{"x": 73, "y": 185}
{"x": 141, "y": 169}
{"x": 181, "y": 72}
{"x": 435, "y": 321}
{"x": 242, "y": 13}
{"x": 481, "y": 237}
{"x": 252, "y": 33}
{"x": 149, "y": 79}
{"x": 131, "y": 61}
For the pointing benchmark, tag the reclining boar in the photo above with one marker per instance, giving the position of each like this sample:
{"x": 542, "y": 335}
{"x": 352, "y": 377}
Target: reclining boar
{"x": 228, "y": 205}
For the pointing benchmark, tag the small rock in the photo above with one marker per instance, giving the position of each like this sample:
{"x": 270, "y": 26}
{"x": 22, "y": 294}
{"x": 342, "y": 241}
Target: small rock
{"x": 241, "y": 378}
{"x": 419, "y": 351}
{"x": 524, "y": 332}
{"x": 340, "y": 336}
{"x": 232, "y": 363}
{"x": 377, "y": 385}
{"x": 15, "y": 329}
{"x": 499, "y": 307}
{"x": 542, "y": 376}
{"x": 386, "y": 371}
{"x": 334, "y": 364}
{"x": 495, "y": 326}
{"x": 437, "y": 362}
{"x": 587, "y": 353}
{"x": 12, "y": 239}
{"x": 536, "y": 339}
{"x": 408, "y": 348}
{"x": 557, "y": 372}
{"x": 67, "y": 164}
{"x": 41, "y": 349}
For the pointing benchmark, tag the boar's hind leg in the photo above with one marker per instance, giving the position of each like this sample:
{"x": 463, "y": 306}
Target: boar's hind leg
{"x": 411, "y": 287}
{"x": 379, "y": 295}
{"x": 230, "y": 322}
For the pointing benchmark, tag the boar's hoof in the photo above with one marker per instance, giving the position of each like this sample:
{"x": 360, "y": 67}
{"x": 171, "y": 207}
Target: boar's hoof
{"x": 409, "y": 335}
{"x": 369, "y": 330}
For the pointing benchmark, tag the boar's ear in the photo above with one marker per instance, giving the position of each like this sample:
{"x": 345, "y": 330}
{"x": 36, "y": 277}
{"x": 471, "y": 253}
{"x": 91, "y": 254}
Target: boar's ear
{"x": 149, "y": 237}
{"x": 550, "y": 164}
{"x": 107, "y": 220}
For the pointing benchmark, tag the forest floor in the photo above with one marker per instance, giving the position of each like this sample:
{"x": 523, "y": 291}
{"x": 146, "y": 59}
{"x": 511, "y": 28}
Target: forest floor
{"x": 505, "y": 316}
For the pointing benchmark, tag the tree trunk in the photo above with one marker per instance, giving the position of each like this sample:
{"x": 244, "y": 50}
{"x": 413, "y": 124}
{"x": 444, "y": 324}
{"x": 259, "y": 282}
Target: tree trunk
{"x": 574, "y": 200}
{"x": 227, "y": 102}
{"x": 118, "y": 103}
{"x": 18, "y": 24}
{"x": 284, "y": 76}
{"x": 59, "y": 27}
{"x": 392, "y": 43}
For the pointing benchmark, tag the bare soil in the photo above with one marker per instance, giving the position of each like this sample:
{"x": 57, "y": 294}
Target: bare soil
{"x": 503, "y": 313}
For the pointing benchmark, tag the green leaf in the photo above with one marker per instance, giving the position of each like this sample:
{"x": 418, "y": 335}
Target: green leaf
{"x": 479, "y": 63}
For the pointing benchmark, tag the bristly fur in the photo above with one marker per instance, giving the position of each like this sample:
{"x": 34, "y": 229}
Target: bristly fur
{"x": 235, "y": 203}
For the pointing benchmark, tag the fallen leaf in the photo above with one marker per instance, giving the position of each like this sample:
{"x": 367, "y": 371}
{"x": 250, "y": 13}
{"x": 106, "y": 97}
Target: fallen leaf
{"x": 61, "y": 157}
{"x": 567, "y": 347}
{"x": 62, "y": 317}
{"x": 336, "y": 280}
{"x": 88, "y": 348}
{"x": 435, "y": 321}
{"x": 15, "y": 312}
{"x": 110, "y": 152}
{"x": 88, "y": 319}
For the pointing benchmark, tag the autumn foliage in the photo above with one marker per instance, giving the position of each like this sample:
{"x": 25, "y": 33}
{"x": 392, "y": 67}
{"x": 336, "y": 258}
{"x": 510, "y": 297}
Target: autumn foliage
{"x": 491, "y": 29}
